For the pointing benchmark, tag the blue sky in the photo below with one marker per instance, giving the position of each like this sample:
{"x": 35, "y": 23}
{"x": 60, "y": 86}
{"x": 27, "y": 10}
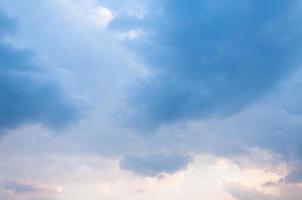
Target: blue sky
{"x": 150, "y": 99}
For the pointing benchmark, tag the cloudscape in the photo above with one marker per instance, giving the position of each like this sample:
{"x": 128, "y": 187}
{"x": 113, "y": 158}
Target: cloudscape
{"x": 150, "y": 99}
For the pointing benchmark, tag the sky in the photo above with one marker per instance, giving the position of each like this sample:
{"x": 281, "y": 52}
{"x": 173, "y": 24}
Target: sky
{"x": 150, "y": 99}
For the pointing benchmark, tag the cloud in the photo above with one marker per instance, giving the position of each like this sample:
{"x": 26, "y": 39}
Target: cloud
{"x": 294, "y": 176}
{"x": 244, "y": 193}
{"x": 155, "y": 164}
{"x": 84, "y": 57}
{"x": 29, "y": 187}
{"x": 25, "y": 190}
{"x": 88, "y": 11}
{"x": 7, "y": 25}
{"x": 240, "y": 192}
{"x": 227, "y": 58}
{"x": 210, "y": 57}
{"x": 28, "y": 93}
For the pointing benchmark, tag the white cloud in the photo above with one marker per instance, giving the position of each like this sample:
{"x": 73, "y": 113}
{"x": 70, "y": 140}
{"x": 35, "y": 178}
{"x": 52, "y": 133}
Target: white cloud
{"x": 87, "y": 11}
{"x": 101, "y": 16}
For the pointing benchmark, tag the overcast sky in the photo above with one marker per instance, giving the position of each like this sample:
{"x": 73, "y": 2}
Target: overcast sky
{"x": 150, "y": 99}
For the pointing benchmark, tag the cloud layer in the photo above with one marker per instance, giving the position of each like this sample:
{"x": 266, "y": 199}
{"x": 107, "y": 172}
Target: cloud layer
{"x": 217, "y": 83}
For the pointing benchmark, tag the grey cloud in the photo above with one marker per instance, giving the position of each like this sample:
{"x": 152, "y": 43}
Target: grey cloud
{"x": 28, "y": 93}
{"x": 26, "y": 190}
{"x": 240, "y": 192}
{"x": 211, "y": 57}
{"x": 20, "y": 187}
{"x": 154, "y": 164}
{"x": 294, "y": 176}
